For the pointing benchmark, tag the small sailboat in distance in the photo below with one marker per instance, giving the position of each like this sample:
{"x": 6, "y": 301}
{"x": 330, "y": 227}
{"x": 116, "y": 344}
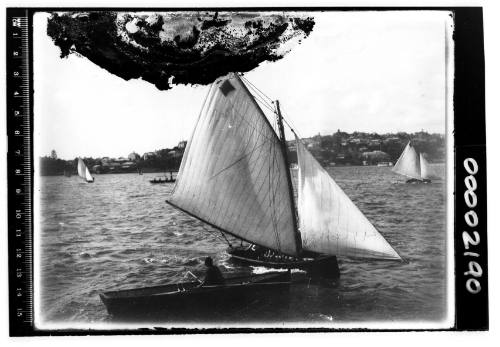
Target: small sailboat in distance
{"x": 413, "y": 165}
{"x": 84, "y": 172}
{"x": 235, "y": 176}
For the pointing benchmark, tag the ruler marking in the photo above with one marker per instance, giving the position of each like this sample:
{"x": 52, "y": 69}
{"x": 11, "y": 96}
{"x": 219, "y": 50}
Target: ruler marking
{"x": 19, "y": 169}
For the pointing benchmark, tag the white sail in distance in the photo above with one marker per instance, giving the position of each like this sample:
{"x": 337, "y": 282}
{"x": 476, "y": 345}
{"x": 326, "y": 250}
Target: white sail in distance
{"x": 88, "y": 176}
{"x": 425, "y": 170}
{"x": 329, "y": 222}
{"x": 233, "y": 172}
{"x": 408, "y": 163}
{"x": 83, "y": 171}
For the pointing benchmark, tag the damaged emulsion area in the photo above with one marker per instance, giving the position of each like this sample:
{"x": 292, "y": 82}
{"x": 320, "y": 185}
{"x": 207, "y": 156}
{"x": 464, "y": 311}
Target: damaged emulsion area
{"x": 183, "y": 47}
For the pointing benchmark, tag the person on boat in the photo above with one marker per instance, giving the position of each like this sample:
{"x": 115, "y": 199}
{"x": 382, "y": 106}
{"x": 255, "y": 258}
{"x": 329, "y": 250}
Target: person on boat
{"x": 213, "y": 276}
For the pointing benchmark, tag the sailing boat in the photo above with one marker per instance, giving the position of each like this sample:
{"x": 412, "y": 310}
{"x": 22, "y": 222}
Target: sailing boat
{"x": 413, "y": 165}
{"x": 235, "y": 176}
{"x": 84, "y": 172}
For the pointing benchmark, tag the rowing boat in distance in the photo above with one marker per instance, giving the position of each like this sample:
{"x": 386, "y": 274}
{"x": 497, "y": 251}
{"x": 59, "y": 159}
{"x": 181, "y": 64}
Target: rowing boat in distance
{"x": 189, "y": 300}
{"x": 160, "y": 180}
{"x": 163, "y": 179}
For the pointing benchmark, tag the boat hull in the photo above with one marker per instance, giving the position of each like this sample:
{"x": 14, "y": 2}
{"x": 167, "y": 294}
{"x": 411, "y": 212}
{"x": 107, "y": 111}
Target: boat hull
{"x": 316, "y": 265}
{"x": 187, "y": 301}
{"x": 161, "y": 181}
{"x": 414, "y": 180}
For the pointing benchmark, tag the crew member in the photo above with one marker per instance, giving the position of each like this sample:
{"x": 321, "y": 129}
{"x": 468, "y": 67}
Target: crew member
{"x": 213, "y": 276}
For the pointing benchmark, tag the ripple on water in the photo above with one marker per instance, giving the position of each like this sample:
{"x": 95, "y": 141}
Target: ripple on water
{"x": 119, "y": 233}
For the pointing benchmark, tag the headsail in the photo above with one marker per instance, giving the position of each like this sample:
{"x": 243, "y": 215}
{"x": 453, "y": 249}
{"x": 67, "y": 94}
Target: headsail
{"x": 88, "y": 176}
{"x": 233, "y": 173}
{"x": 408, "y": 163}
{"x": 425, "y": 170}
{"x": 329, "y": 222}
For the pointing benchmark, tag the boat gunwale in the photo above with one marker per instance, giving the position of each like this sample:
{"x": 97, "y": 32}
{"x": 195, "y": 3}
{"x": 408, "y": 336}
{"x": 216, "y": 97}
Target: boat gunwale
{"x": 225, "y": 286}
{"x": 135, "y": 292}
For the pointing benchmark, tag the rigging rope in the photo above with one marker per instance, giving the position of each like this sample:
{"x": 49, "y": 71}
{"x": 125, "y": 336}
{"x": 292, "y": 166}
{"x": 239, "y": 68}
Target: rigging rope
{"x": 262, "y": 93}
{"x": 225, "y": 238}
{"x": 267, "y": 105}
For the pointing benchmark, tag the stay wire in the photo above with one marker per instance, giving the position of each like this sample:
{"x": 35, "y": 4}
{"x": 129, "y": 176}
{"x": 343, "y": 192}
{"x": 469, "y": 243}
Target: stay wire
{"x": 284, "y": 114}
{"x": 257, "y": 89}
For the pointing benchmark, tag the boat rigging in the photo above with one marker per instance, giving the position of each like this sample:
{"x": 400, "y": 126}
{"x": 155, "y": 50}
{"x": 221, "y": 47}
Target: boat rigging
{"x": 235, "y": 177}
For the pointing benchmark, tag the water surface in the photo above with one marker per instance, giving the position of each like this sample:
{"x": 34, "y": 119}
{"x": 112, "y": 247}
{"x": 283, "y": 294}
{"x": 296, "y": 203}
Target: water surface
{"x": 119, "y": 233}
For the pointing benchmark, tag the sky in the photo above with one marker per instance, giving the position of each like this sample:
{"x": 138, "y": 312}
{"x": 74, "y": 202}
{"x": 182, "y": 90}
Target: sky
{"x": 357, "y": 71}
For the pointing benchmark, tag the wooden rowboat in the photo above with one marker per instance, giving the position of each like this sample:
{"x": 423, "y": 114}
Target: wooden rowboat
{"x": 188, "y": 300}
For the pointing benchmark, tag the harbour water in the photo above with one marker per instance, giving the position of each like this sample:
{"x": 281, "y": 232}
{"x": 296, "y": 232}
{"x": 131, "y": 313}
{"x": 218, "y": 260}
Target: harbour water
{"x": 119, "y": 233}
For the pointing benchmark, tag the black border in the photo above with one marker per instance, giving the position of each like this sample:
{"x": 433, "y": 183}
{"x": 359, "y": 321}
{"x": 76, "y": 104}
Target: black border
{"x": 470, "y": 142}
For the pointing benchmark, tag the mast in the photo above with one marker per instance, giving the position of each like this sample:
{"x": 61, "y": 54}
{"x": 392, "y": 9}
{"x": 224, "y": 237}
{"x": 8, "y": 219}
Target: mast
{"x": 284, "y": 149}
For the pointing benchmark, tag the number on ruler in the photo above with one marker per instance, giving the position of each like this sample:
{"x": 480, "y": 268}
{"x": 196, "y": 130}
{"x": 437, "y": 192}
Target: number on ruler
{"x": 16, "y": 22}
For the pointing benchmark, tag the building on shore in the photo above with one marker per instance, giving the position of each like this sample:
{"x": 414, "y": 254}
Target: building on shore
{"x": 134, "y": 156}
{"x": 148, "y": 155}
{"x": 375, "y": 157}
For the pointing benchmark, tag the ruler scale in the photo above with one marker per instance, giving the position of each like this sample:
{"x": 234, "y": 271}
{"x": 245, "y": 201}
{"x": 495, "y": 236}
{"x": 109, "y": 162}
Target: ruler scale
{"x": 19, "y": 170}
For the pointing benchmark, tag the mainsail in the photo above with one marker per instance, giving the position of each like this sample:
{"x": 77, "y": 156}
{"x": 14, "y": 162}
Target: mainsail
{"x": 233, "y": 173}
{"x": 408, "y": 163}
{"x": 83, "y": 171}
{"x": 329, "y": 221}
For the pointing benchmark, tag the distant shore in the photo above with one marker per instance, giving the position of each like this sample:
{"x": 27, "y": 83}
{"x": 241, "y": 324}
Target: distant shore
{"x": 338, "y": 149}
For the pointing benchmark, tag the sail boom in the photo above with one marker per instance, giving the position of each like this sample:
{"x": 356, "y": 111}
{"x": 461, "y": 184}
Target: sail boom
{"x": 219, "y": 228}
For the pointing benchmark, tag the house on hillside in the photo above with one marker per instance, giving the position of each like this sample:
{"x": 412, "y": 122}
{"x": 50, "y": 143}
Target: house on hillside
{"x": 134, "y": 156}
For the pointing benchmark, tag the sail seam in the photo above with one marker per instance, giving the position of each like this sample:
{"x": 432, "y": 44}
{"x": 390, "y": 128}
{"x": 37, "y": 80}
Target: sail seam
{"x": 237, "y": 161}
